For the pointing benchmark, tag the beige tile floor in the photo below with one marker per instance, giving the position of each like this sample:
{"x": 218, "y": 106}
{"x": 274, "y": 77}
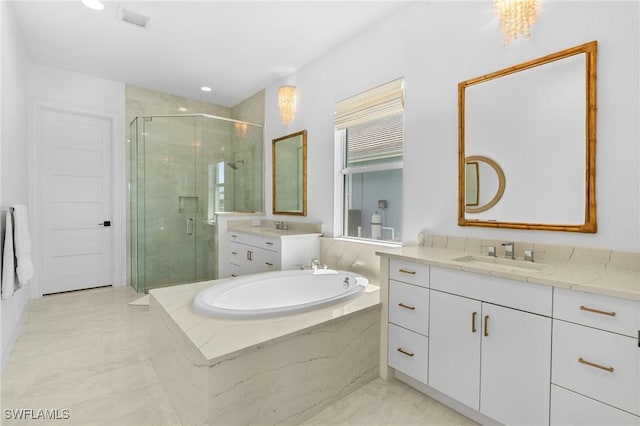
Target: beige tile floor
{"x": 87, "y": 352}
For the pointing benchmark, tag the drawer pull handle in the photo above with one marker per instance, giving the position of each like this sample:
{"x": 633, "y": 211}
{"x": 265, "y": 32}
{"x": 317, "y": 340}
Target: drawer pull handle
{"x": 269, "y": 243}
{"x": 406, "y": 271}
{"x": 411, "y": 308}
{"x": 473, "y": 322}
{"x": 234, "y": 253}
{"x": 268, "y": 263}
{"x": 486, "y": 325}
{"x": 596, "y": 311}
{"x": 402, "y": 351}
{"x": 591, "y": 364}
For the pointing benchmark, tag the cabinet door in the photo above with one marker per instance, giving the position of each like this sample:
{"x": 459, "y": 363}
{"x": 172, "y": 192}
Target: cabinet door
{"x": 243, "y": 259}
{"x": 516, "y": 366}
{"x": 265, "y": 260}
{"x": 454, "y": 347}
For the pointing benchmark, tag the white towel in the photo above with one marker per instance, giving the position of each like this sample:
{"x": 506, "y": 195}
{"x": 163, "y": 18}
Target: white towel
{"x": 8, "y": 265}
{"x": 22, "y": 244}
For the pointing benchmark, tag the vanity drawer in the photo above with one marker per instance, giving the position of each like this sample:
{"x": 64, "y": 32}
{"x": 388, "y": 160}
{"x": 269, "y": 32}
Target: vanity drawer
{"x": 236, "y": 251}
{"x": 408, "y": 352}
{"x": 409, "y": 306}
{"x": 234, "y": 270}
{"x": 535, "y": 298}
{"x": 598, "y": 364}
{"x": 409, "y": 272}
{"x": 570, "y": 408}
{"x": 267, "y": 243}
{"x": 604, "y": 312}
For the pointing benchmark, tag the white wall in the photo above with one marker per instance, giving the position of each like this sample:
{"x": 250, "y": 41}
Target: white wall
{"x": 436, "y": 45}
{"x": 14, "y": 155}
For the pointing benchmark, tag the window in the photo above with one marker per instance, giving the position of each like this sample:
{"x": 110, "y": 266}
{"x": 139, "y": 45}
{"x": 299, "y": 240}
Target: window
{"x": 370, "y": 136}
{"x": 216, "y": 188}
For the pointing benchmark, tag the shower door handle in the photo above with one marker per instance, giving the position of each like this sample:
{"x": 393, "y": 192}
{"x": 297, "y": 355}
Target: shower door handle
{"x": 189, "y": 226}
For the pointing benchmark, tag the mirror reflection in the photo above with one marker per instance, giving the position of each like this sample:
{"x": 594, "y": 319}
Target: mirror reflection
{"x": 537, "y": 121}
{"x": 290, "y": 174}
{"x": 484, "y": 184}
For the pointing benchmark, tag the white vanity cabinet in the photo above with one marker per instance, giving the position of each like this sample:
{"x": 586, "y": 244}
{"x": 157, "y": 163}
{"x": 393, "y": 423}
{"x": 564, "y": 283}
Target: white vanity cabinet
{"x": 596, "y": 359}
{"x": 409, "y": 318}
{"x": 492, "y": 357}
{"x": 251, "y": 253}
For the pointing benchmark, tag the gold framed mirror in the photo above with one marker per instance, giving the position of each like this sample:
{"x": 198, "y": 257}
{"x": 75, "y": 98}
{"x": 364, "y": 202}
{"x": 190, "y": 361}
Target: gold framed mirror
{"x": 537, "y": 120}
{"x": 289, "y": 174}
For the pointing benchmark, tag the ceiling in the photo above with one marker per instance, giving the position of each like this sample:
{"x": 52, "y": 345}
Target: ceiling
{"x": 235, "y": 47}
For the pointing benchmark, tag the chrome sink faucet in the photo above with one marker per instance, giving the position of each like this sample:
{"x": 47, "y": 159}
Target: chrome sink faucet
{"x": 509, "y": 250}
{"x": 314, "y": 264}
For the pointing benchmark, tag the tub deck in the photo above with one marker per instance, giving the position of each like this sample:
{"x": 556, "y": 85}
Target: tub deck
{"x": 264, "y": 371}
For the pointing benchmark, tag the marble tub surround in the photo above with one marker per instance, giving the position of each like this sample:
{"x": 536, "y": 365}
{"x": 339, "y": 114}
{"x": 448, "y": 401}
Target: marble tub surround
{"x": 279, "y": 370}
{"x": 348, "y": 255}
{"x": 610, "y": 273}
{"x": 268, "y": 227}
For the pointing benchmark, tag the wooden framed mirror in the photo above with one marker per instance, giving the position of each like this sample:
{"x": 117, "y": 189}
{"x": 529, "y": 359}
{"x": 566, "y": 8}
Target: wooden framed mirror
{"x": 289, "y": 174}
{"x": 537, "y": 120}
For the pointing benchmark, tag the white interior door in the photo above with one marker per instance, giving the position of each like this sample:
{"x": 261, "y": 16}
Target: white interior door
{"x": 75, "y": 200}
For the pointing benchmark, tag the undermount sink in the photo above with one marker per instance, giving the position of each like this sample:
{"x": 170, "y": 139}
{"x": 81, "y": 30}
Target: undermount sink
{"x": 501, "y": 264}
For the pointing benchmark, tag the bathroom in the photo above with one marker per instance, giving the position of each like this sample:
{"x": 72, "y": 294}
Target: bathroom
{"x": 433, "y": 46}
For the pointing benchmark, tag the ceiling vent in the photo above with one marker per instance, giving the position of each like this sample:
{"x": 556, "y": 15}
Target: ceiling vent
{"x": 134, "y": 18}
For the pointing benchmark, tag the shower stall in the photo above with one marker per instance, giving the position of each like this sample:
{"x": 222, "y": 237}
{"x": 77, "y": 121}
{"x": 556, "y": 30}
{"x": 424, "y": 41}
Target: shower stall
{"x": 185, "y": 170}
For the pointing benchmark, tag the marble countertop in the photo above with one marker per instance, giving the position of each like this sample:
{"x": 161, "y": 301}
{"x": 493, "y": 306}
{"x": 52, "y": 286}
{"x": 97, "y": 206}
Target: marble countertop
{"x": 596, "y": 279}
{"x": 272, "y": 232}
{"x": 268, "y": 228}
{"x": 215, "y": 337}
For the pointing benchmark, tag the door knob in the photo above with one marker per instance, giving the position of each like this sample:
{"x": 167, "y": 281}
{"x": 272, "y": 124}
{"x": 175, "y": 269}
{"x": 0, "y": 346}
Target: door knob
{"x": 105, "y": 223}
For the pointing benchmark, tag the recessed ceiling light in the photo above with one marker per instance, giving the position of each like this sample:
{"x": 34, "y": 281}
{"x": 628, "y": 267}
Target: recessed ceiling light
{"x": 182, "y": 109}
{"x": 205, "y": 89}
{"x": 93, "y": 4}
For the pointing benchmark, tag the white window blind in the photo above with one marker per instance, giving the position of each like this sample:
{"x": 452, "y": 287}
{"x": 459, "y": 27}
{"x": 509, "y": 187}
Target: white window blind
{"x": 379, "y": 102}
{"x": 374, "y": 124}
{"x": 375, "y": 140}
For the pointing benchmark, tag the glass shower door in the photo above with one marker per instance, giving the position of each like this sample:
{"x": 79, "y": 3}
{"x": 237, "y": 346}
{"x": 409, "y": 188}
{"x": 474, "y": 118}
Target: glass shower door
{"x": 170, "y": 205}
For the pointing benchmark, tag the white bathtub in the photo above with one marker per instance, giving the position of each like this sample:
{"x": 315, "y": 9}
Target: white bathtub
{"x": 278, "y": 293}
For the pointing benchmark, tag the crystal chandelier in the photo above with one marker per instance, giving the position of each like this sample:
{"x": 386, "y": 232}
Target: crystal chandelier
{"x": 287, "y": 103}
{"x": 515, "y": 17}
